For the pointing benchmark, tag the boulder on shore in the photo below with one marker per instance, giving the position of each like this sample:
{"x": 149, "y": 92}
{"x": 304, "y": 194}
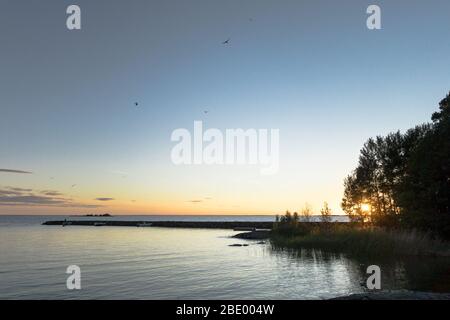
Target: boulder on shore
{"x": 253, "y": 235}
{"x": 396, "y": 295}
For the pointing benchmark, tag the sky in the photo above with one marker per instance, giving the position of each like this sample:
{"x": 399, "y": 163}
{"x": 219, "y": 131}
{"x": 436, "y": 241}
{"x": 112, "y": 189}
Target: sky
{"x": 72, "y": 140}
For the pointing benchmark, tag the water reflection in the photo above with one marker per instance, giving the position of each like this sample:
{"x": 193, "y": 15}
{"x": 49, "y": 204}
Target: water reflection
{"x": 165, "y": 263}
{"x": 410, "y": 273}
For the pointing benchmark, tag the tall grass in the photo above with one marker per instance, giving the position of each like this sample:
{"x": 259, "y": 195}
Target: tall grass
{"x": 358, "y": 241}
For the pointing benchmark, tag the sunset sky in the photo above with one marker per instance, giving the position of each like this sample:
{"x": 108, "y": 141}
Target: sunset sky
{"x": 312, "y": 69}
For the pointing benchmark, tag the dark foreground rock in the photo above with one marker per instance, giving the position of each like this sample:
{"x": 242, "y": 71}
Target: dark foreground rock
{"x": 396, "y": 295}
{"x": 253, "y": 235}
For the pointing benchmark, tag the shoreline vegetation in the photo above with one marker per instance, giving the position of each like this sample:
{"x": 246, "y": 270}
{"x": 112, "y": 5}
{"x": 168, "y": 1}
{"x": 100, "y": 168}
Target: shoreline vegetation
{"x": 355, "y": 239}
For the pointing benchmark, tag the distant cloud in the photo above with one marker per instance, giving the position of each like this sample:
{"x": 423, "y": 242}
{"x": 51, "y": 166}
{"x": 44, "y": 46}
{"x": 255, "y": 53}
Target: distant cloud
{"x": 20, "y": 189}
{"x": 10, "y": 196}
{"x": 199, "y": 200}
{"x": 104, "y": 199}
{"x": 122, "y": 173}
{"x": 12, "y": 191}
{"x": 31, "y": 199}
{"x": 15, "y": 171}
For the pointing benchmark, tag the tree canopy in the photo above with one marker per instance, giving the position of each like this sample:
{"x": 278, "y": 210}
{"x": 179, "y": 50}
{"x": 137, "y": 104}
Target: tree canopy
{"x": 403, "y": 179}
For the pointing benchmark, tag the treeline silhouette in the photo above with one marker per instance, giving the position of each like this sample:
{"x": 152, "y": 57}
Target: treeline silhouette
{"x": 403, "y": 179}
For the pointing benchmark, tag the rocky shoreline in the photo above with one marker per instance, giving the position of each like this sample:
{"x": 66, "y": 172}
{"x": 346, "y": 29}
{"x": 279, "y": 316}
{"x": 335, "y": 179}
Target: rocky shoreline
{"x": 254, "y": 235}
{"x": 396, "y": 295}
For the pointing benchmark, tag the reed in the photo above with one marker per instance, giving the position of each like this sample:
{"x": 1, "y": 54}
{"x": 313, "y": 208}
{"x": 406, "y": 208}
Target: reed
{"x": 358, "y": 241}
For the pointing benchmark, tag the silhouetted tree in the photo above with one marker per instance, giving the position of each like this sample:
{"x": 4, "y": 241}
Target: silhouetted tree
{"x": 325, "y": 213}
{"x": 404, "y": 178}
{"x": 424, "y": 193}
{"x": 306, "y": 213}
{"x": 289, "y": 225}
{"x": 295, "y": 217}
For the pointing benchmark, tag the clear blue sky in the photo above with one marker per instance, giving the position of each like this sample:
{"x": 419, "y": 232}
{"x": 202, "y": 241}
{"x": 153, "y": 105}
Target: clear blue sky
{"x": 310, "y": 68}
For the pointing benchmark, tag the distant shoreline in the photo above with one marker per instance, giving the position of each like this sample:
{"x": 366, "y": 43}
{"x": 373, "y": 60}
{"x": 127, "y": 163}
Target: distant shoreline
{"x": 241, "y": 225}
{"x": 106, "y": 215}
{"x": 166, "y": 224}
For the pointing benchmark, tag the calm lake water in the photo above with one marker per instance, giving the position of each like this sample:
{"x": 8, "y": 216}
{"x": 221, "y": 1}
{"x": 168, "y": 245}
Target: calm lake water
{"x": 165, "y": 263}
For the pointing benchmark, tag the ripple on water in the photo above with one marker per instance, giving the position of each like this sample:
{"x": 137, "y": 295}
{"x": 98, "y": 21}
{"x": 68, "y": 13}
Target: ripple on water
{"x": 164, "y": 263}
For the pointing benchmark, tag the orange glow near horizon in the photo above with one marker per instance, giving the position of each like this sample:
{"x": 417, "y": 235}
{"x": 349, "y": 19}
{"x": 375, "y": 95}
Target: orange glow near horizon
{"x": 187, "y": 190}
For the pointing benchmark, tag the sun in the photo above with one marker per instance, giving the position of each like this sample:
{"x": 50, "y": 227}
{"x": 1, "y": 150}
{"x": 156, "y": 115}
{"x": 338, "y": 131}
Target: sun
{"x": 365, "y": 207}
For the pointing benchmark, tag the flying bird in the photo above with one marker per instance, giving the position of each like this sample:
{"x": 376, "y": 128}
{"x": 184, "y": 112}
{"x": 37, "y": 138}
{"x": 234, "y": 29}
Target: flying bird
{"x": 136, "y": 104}
{"x": 74, "y": 185}
{"x": 226, "y": 41}
{"x": 205, "y": 112}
